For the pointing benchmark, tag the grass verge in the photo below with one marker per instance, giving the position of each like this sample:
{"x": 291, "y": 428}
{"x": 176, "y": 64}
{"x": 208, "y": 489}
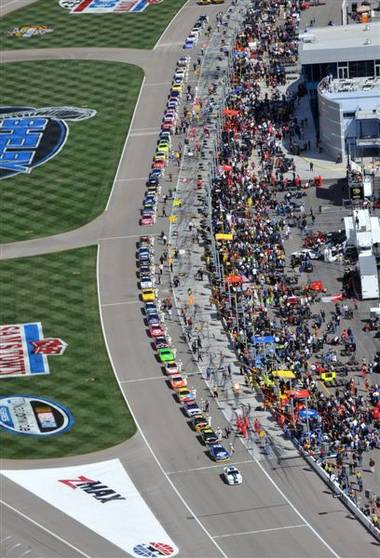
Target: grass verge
{"x": 60, "y": 291}
{"x": 72, "y": 188}
{"x": 140, "y": 30}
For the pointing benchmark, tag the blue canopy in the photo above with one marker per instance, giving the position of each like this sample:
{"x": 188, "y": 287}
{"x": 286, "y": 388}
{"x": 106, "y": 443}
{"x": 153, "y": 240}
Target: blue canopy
{"x": 308, "y": 413}
{"x": 262, "y": 339}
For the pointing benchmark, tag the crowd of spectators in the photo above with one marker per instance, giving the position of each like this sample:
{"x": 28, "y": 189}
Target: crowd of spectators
{"x": 256, "y": 196}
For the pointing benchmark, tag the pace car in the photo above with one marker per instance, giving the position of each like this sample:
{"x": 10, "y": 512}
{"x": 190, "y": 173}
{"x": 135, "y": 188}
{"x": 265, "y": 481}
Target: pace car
{"x": 232, "y": 475}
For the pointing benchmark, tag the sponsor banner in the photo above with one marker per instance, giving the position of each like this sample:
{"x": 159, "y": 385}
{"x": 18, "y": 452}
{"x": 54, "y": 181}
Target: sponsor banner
{"x": 26, "y": 31}
{"x": 29, "y": 137}
{"x": 34, "y": 416}
{"x": 23, "y": 350}
{"x": 106, "y": 6}
{"x": 102, "y": 497}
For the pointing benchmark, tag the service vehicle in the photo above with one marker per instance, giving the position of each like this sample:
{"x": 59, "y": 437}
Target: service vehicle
{"x": 232, "y": 475}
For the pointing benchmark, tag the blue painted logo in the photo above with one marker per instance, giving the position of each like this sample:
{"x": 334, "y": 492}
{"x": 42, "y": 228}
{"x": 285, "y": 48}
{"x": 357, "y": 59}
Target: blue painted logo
{"x": 29, "y": 137}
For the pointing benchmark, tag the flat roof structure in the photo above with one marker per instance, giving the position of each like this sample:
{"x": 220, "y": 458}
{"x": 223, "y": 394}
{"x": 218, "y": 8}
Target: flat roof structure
{"x": 338, "y": 43}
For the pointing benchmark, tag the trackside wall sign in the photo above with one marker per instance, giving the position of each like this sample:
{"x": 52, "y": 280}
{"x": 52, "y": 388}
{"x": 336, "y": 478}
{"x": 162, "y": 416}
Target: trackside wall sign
{"x": 102, "y": 497}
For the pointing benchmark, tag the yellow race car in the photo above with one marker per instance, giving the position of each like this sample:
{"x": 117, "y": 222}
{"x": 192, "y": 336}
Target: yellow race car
{"x": 148, "y": 295}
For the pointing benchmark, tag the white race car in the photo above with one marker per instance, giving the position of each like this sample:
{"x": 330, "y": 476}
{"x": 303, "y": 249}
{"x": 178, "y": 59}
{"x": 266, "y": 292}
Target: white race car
{"x": 232, "y": 475}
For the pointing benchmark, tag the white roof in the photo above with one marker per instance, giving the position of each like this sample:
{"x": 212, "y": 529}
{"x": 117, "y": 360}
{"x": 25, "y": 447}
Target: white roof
{"x": 340, "y": 43}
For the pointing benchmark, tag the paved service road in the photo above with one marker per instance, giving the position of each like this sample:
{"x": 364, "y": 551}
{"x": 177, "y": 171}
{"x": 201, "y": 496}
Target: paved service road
{"x": 182, "y": 486}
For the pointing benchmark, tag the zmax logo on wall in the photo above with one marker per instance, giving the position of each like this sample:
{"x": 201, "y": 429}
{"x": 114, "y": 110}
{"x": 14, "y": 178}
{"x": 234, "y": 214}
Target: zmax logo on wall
{"x": 29, "y": 137}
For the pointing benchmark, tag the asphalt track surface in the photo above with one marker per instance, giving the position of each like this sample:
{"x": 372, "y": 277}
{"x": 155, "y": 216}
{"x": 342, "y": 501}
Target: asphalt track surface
{"x": 282, "y": 512}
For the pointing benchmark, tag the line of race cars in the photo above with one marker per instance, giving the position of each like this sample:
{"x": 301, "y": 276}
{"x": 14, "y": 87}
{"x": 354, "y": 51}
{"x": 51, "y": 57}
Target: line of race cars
{"x": 193, "y": 37}
{"x": 166, "y": 354}
{"x": 164, "y": 144}
{"x": 154, "y": 317}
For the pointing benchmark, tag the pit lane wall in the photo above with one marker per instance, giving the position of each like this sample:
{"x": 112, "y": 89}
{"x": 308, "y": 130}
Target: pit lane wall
{"x": 360, "y": 516}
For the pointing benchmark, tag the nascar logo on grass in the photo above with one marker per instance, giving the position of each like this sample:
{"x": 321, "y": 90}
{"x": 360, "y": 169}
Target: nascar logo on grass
{"x": 29, "y": 137}
{"x": 106, "y": 6}
{"x": 23, "y": 350}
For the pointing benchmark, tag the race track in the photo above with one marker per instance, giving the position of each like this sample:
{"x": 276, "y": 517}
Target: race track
{"x": 292, "y": 516}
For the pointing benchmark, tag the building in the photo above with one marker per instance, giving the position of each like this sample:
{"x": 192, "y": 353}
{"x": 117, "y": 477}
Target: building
{"x": 345, "y": 51}
{"x": 349, "y": 116}
{"x": 341, "y": 66}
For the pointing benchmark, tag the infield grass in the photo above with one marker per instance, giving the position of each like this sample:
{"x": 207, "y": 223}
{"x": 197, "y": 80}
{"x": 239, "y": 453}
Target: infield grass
{"x": 72, "y": 188}
{"x": 60, "y": 291}
{"x": 80, "y": 30}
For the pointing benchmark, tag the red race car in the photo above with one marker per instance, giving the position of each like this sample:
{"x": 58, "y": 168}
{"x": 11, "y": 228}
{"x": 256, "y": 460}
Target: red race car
{"x": 156, "y": 331}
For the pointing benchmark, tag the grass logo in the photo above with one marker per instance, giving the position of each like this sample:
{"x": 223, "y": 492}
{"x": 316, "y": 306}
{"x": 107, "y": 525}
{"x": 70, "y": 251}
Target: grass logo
{"x": 29, "y": 137}
{"x": 106, "y": 6}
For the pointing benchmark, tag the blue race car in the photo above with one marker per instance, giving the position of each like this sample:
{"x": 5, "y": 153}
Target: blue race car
{"x": 218, "y": 453}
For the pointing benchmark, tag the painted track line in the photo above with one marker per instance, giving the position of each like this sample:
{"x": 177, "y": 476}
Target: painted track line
{"x": 121, "y": 303}
{"x": 259, "y": 531}
{"x": 205, "y": 467}
{"x": 160, "y": 466}
{"x": 40, "y": 526}
{"x": 135, "y": 380}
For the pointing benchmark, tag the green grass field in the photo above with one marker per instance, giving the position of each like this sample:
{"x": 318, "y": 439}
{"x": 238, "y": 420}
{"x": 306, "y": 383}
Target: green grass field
{"x": 80, "y": 30}
{"x": 72, "y": 188}
{"x": 59, "y": 290}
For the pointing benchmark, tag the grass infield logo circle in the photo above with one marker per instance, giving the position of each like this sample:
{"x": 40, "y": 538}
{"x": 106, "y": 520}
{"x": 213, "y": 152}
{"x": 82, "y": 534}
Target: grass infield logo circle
{"x": 34, "y": 416}
{"x": 29, "y": 137}
{"x": 153, "y": 550}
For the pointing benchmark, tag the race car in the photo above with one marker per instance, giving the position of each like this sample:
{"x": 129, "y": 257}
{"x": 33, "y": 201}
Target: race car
{"x": 166, "y": 355}
{"x": 149, "y": 295}
{"x": 177, "y": 87}
{"x": 208, "y": 436}
{"x": 146, "y": 270}
{"x": 147, "y": 219}
{"x": 146, "y": 282}
{"x": 156, "y": 330}
{"x": 172, "y": 368}
{"x": 158, "y": 164}
{"x": 153, "y": 320}
{"x": 163, "y": 147}
{"x": 151, "y": 308}
{"x": 218, "y": 453}
{"x": 232, "y": 475}
{"x": 144, "y": 253}
{"x": 177, "y": 382}
{"x": 183, "y": 61}
{"x": 191, "y": 409}
{"x": 146, "y": 242}
{"x": 184, "y": 395}
{"x": 199, "y": 423}
{"x": 161, "y": 342}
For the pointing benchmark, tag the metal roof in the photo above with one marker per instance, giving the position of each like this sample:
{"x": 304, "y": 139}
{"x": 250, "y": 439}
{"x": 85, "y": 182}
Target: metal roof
{"x": 340, "y": 43}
